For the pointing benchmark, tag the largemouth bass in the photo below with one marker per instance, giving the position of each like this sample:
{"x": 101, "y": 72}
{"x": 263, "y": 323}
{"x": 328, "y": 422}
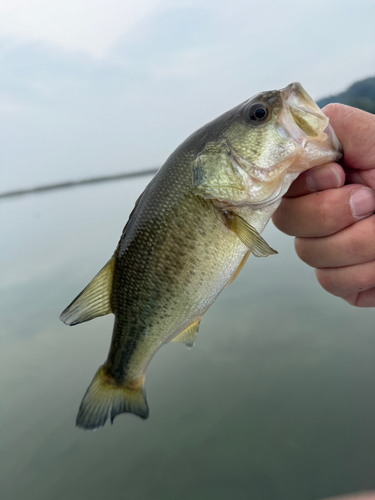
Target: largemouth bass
{"x": 190, "y": 233}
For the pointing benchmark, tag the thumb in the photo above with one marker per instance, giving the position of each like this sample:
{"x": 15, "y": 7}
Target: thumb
{"x": 355, "y": 130}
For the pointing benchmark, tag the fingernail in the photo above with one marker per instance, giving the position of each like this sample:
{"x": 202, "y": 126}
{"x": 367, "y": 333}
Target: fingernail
{"x": 327, "y": 177}
{"x": 362, "y": 202}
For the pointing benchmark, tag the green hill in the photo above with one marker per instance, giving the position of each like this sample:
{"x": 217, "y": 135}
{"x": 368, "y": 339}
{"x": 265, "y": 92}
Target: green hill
{"x": 360, "y": 95}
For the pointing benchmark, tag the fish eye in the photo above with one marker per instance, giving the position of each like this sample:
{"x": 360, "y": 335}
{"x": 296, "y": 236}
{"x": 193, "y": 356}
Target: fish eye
{"x": 258, "y": 113}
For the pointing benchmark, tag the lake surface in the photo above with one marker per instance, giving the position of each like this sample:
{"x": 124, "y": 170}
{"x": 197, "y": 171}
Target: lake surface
{"x": 274, "y": 401}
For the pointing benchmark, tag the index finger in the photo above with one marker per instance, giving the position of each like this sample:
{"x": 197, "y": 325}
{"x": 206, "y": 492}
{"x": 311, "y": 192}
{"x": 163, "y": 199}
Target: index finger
{"x": 355, "y": 129}
{"x": 328, "y": 176}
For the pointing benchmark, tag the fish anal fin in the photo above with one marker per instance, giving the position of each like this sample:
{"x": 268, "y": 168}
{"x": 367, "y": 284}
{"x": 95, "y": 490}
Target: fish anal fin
{"x": 239, "y": 268}
{"x": 94, "y": 300}
{"x": 188, "y": 335}
{"x": 248, "y": 235}
{"x": 106, "y": 398}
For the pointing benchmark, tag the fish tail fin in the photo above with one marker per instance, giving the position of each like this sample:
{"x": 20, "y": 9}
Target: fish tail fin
{"x": 106, "y": 398}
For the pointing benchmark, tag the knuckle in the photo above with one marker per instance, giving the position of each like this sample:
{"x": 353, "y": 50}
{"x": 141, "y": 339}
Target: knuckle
{"x": 352, "y": 299}
{"x": 366, "y": 299}
{"x": 303, "y": 250}
{"x": 326, "y": 280}
{"x": 276, "y": 218}
{"x": 363, "y": 244}
{"x": 327, "y": 215}
{"x": 282, "y": 219}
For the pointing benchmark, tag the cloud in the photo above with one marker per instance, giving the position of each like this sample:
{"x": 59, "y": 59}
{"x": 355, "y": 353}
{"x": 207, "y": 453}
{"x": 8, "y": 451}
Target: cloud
{"x": 90, "y": 26}
{"x": 187, "y": 63}
{"x": 10, "y": 106}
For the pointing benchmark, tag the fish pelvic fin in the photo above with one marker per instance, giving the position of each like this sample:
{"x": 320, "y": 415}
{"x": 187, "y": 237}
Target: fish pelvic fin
{"x": 188, "y": 335}
{"x": 248, "y": 235}
{"x": 106, "y": 398}
{"x": 239, "y": 268}
{"x": 94, "y": 300}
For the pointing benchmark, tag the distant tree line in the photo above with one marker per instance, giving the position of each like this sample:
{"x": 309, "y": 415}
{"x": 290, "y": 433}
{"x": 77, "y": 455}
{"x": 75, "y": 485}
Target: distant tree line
{"x": 359, "y": 95}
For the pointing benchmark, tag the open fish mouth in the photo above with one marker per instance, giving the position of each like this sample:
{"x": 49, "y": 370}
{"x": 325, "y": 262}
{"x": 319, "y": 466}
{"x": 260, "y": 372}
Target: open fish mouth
{"x": 274, "y": 137}
{"x": 308, "y": 141}
{"x": 307, "y": 125}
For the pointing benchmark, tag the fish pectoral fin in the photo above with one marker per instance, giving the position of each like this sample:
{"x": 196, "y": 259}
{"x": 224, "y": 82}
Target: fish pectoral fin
{"x": 248, "y": 235}
{"x": 188, "y": 335}
{"x": 106, "y": 398}
{"x": 94, "y": 300}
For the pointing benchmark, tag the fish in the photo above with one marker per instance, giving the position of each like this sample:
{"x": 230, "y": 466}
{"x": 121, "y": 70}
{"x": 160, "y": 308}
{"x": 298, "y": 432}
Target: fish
{"x": 191, "y": 232}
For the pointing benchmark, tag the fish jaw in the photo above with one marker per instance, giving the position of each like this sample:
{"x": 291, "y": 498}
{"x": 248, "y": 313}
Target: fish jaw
{"x": 253, "y": 161}
{"x": 310, "y": 141}
{"x": 309, "y": 127}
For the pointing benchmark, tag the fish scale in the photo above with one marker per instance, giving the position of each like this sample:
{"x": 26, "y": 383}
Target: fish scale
{"x": 190, "y": 234}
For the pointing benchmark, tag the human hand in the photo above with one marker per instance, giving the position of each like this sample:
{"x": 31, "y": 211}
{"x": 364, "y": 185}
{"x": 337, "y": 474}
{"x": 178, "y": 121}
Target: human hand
{"x": 358, "y": 496}
{"x": 330, "y": 210}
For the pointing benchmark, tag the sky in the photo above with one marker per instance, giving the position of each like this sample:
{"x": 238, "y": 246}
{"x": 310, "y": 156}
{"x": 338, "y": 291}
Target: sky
{"x": 98, "y": 87}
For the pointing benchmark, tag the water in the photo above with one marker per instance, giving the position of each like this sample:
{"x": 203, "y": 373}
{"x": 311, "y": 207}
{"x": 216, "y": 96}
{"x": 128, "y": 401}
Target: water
{"x": 275, "y": 400}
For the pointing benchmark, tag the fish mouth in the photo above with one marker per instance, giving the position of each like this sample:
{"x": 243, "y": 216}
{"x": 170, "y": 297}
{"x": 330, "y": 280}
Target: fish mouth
{"x": 303, "y": 121}
{"x": 310, "y": 141}
{"x": 263, "y": 187}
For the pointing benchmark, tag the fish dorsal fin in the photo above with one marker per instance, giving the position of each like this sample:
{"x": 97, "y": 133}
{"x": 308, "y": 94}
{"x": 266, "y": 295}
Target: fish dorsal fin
{"x": 94, "y": 300}
{"x": 188, "y": 335}
{"x": 248, "y": 235}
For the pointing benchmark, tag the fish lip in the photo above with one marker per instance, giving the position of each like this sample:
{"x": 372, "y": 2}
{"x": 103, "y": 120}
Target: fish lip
{"x": 276, "y": 195}
{"x": 252, "y": 172}
{"x": 299, "y": 103}
{"x": 305, "y": 101}
{"x": 292, "y": 123}
{"x": 279, "y": 191}
{"x": 287, "y": 91}
{"x": 333, "y": 139}
{"x": 234, "y": 156}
